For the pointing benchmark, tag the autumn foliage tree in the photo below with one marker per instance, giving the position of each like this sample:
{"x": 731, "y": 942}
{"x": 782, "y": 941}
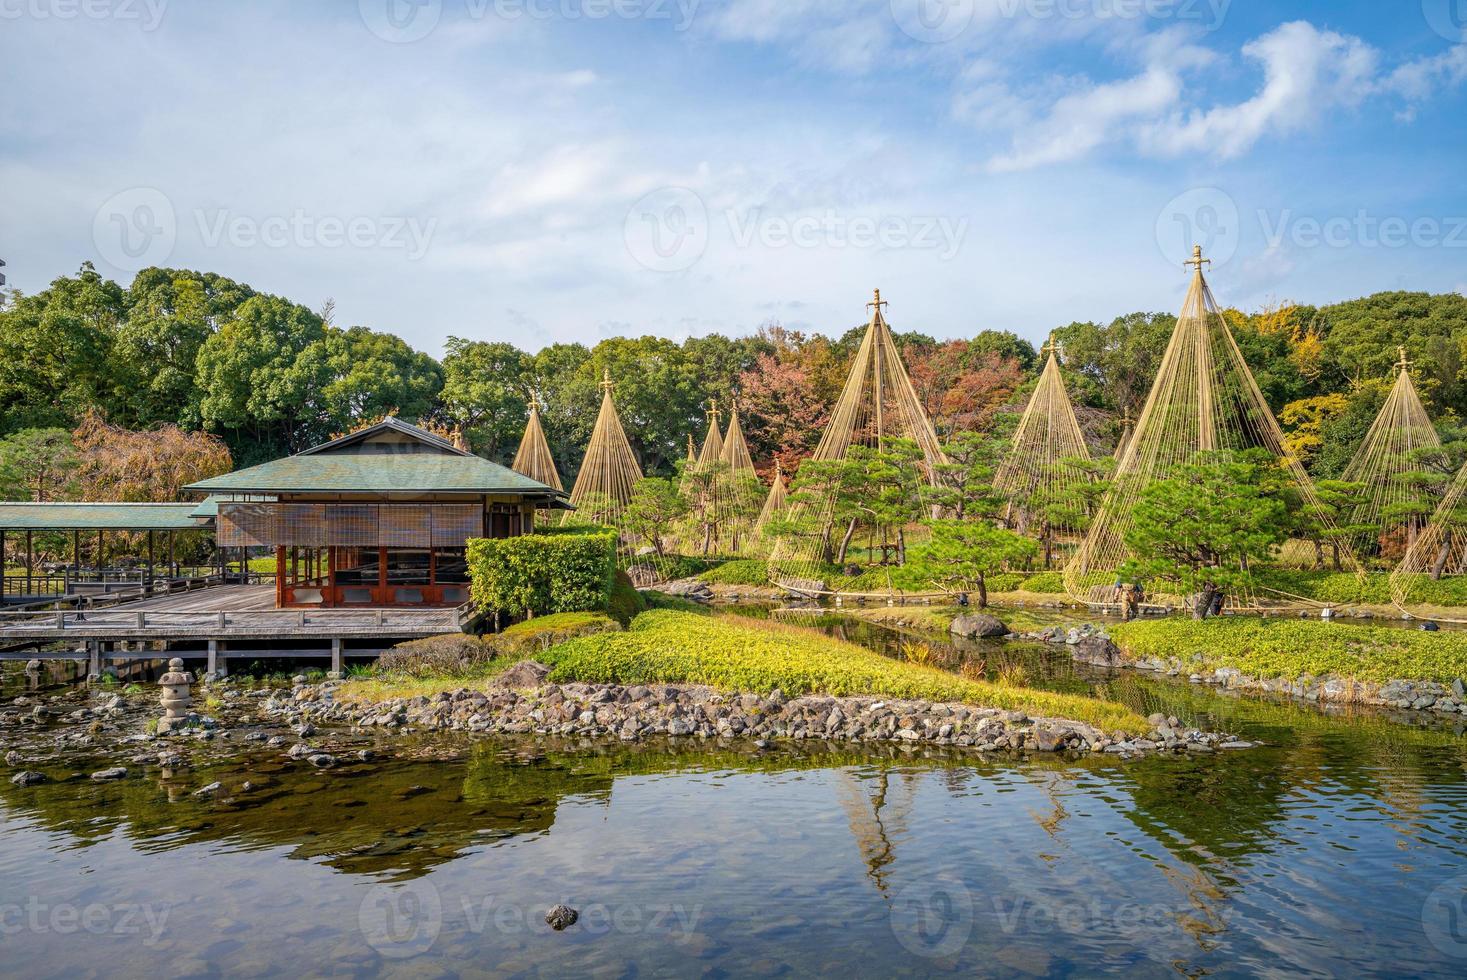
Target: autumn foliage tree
{"x": 154, "y": 465}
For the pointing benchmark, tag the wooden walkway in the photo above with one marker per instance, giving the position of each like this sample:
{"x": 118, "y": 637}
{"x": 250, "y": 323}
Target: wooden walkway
{"x": 225, "y": 612}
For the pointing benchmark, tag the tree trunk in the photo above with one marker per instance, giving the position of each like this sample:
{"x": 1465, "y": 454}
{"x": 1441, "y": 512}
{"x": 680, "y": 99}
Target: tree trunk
{"x": 1440, "y": 565}
{"x": 1335, "y": 548}
{"x": 845, "y": 542}
{"x": 901, "y": 546}
{"x": 1206, "y": 597}
{"x": 982, "y": 591}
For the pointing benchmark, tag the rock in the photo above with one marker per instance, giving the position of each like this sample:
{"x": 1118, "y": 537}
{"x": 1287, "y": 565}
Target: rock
{"x": 12, "y": 758}
{"x": 1098, "y": 651}
{"x": 1459, "y": 691}
{"x": 688, "y": 588}
{"x": 1046, "y": 739}
{"x": 322, "y": 760}
{"x": 561, "y": 916}
{"x": 366, "y": 755}
{"x": 171, "y": 760}
{"x": 306, "y": 730}
{"x": 212, "y": 789}
{"x": 522, "y": 676}
{"x": 978, "y": 626}
{"x": 27, "y": 777}
{"x": 116, "y": 772}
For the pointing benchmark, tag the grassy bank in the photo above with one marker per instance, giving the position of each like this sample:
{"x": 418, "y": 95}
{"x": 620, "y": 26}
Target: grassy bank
{"x": 723, "y": 651}
{"x": 737, "y": 654}
{"x": 1291, "y": 648}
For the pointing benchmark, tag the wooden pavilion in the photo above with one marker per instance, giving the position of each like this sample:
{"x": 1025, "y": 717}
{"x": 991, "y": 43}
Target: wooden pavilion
{"x": 380, "y": 517}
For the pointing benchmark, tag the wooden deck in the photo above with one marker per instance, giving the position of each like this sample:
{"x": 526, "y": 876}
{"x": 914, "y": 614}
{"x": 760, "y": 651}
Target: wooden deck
{"x": 224, "y": 612}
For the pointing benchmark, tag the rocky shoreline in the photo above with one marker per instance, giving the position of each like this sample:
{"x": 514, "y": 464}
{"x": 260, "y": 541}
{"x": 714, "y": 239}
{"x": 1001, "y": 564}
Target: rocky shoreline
{"x": 1091, "y": 645}
{"x": 522, "y": 702}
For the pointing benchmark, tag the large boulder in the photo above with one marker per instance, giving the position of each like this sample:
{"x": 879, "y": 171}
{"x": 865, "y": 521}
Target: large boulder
{"x": 978, "y": 626}
{"x": 523, "y": 675}
{"x": 1096, "y": 650}
{"x": 688, "y": 588}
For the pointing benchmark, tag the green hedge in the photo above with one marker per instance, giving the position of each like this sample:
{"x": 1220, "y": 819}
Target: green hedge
{"x": 1271, "y": 648}
{"x": 538, "y": 574}
{"x": 740, "y": 571}
{"x": 743, "y": 655}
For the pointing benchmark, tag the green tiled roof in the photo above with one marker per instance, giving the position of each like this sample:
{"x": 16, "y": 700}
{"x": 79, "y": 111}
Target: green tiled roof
{"x": 98, "y": 517}
{"x": 376, "y": 473}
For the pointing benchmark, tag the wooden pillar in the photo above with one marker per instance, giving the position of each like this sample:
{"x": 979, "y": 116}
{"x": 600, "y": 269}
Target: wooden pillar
{"x": 30, "y": 558}
{"x": 151, "y": 557}
{"x": 213, "y": 667}
{"x": 382, "y": 570}
{"x": 330, "y": 596}
{"x": 279, "y": 576}
{"x": 94, "y": 658}
{"x": 336, "y": 655}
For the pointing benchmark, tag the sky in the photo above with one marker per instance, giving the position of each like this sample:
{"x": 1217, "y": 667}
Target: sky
{"x": 540, "y": 171}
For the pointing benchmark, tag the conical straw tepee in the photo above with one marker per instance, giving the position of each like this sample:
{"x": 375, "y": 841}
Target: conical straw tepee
{"x": 1385, "y": 462}
{"x": 877, "y": 405}
{"x": 736, "y": 447}
{"x": 712, "y": 450}
{"x": 774, "y": 503}
{"x": 1035, "y": 475}
{"x": 1204, "y": 399}
{"x": 534, "y": 459}
{"x": 1439, "y": 551}
{"x": 610, "y": 468}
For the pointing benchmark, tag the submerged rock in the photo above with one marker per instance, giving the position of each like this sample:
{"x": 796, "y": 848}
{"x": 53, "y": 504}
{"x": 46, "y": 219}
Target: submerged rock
{"x": 561, "y": 916}
{"x": 116, "y": 772}
{"x": 27, "y": 777}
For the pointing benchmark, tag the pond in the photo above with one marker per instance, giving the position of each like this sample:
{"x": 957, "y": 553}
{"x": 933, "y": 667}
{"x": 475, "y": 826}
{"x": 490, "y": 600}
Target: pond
{"x": 1339, "y": 848}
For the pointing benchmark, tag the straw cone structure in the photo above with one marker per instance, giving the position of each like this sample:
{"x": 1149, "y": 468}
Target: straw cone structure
{"x": 775, "y": 502}
{"x": 724, "y": 489}
{"x": 877, "y": 405}
{"x": 1204, "y": 399}
{"x": 1034, "y": 473}
{"x": 534, "y": 459}
{"x": 736, "y": 447}
{"x": 610, "y": 468}
{"x": 1439, "y": 551}
{"x": 1384, "y": 462}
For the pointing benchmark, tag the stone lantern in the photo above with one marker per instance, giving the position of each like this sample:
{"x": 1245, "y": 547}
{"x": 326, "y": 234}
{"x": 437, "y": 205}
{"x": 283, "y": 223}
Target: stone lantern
{"x": 175, "y": 697}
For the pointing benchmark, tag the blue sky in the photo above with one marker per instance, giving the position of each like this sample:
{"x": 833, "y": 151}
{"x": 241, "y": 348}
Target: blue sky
{"x": 549, "y": 170}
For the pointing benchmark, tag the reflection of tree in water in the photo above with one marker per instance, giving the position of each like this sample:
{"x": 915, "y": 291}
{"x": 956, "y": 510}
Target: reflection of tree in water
{"x": 878, "y": 805}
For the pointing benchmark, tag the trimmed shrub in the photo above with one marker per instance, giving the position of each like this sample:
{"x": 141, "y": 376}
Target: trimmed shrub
{"x": 626, "y": 603}
{"x": 535, "y": 635}
{"x": 437, "y": 656}
{"x": 537, "y": 574}
{"x": 740, "y": 571}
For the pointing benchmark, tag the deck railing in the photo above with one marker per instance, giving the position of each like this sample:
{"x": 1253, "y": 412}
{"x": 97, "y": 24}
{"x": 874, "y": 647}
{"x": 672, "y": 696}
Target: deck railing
{"x": 201, "y": 621}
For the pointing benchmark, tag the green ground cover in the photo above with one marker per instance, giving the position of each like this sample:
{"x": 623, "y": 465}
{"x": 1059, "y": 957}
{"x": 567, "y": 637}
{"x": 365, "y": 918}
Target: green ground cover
{"x": 1291, "y": 648}
{"x": 739, "y": 654}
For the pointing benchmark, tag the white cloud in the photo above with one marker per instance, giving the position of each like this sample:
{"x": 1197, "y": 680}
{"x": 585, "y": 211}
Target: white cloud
{"x": 1308, "y": 74}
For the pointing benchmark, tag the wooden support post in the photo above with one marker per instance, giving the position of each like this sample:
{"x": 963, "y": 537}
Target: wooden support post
{"x": 94, "y": 658}
{"x": 213, "y": 667}
{"x": 279, "y": 576}
{"x": 336, "y": 655}
{"x": 30, "y": 558}
{"x": 151, "y": 560}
